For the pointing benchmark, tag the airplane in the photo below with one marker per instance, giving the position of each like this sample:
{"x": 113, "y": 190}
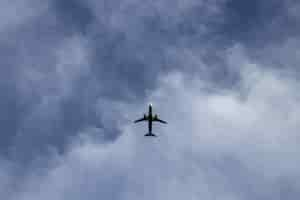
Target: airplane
{"x": 150, "y": 118}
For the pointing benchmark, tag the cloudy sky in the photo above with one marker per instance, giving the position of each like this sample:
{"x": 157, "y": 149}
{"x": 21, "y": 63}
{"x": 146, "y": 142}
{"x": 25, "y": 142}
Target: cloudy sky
{"x": 75, "y": 74}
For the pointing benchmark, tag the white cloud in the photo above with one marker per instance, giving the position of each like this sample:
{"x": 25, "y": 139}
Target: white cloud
{"x": 220, "y": 145}
{"x": 262, "y": 121}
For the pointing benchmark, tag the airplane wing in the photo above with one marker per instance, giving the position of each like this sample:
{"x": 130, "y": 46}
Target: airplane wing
{"x": 156, "y": 119}
{"x": 142, "y": 119}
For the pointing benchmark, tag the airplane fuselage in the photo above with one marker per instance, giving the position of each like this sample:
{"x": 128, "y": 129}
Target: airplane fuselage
{"x": 150, "y": 119}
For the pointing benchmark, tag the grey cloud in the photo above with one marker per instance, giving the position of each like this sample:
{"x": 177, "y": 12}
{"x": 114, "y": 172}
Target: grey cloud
{"x": 216, "y": 145}
{"x": 15, "y": 13}
{"x": 120, "y": 63}
{"x": 74, "y": 14}
{"x": 80, "y": 72}
{"x": 259, "y": 24}
{"x": 50, "y": 93}
{"x": 136, "y": 38}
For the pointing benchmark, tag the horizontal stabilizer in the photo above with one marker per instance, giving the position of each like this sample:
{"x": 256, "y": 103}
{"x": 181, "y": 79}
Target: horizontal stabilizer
{"x": 150, "y": 134}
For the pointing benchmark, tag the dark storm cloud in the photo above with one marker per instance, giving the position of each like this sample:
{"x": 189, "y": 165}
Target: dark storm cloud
{"x": 246, "y": 20}
{"x": 29, "y": 62}
{"x": 131, "y": 44}
{"x": 260, "y": 23}
{"x": 269, "y": 29}
{"x": 129, "y": 47}
{"x": 35, "y": 117}
{"x": 75, "y": 15}
{"x": 8, "y": 106}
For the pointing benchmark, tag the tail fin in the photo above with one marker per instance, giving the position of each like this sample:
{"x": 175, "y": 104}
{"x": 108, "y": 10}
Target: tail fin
{"x": 150, "y": 134}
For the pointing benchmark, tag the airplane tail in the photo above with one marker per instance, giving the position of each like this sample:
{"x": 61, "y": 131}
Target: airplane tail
{"x": 150, "y": 134}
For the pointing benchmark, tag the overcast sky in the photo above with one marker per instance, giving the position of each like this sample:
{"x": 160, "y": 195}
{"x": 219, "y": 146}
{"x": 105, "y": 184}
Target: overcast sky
{"x": 75, "y": 74}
